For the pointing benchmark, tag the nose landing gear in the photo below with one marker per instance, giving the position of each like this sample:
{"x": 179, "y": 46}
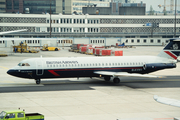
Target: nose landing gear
{"x": 38, "y": 81}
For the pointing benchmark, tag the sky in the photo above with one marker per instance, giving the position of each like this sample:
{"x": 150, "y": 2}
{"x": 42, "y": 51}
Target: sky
{"x": 155, "y": 4}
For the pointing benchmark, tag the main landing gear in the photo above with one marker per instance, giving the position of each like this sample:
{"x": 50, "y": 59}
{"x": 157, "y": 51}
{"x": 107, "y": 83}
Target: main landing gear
{"x": 107, "y": 78}
{"x": 38, "y": 81}
{"x": 115, "y": 80}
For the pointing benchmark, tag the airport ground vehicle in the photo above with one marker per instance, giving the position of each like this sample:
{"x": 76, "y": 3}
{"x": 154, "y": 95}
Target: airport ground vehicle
{"x": 20, "y": 115}
{"x": 23, "y": 48}
{"x": 3, "y": 54}
{"x": 47, "y": 48}
{"x": 75, "y": 47}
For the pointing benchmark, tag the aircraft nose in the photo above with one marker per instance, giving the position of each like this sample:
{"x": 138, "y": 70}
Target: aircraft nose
{"x": 11, "y": 72}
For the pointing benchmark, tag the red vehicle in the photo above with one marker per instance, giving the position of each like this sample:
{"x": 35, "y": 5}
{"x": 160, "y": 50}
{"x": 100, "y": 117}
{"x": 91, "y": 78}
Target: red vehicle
{"x": 105, "y": 52}
{"x": 117, "y": 52}
{"x": 83, "y": 49}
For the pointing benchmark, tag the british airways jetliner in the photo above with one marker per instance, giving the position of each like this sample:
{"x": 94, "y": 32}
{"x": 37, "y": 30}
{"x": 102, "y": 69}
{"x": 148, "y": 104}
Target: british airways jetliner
{"x": 107, "y": 67}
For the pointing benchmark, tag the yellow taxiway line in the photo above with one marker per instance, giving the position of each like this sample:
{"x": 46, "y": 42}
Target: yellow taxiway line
{"x": 4, "y": 67}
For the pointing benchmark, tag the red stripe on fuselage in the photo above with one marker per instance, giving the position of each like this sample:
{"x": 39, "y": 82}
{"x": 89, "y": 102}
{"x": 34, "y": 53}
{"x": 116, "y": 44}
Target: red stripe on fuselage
{"x": 170, "y": 54}
{"x": 54, "y": 73}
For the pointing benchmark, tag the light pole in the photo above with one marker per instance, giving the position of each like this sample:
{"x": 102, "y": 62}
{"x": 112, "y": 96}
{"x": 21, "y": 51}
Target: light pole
{"x": 175, "y": 19}
{"x": 50, "y": 18}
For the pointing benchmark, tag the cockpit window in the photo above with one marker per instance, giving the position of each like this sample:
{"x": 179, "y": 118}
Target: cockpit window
{"x": 23, "y": 64}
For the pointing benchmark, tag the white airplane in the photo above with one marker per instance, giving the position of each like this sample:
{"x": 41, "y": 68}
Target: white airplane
{"x": 107, "y": 67}
{"x": 2, "y": 33}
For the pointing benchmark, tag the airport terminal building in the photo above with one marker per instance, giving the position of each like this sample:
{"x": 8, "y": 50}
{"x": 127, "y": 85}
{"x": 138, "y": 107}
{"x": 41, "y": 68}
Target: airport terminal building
{"x": 91, "y": 26}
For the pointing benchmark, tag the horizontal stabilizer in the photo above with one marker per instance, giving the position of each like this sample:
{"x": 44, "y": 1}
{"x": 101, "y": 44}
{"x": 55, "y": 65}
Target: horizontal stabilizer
{"x": 167, "y": 101}
{"x": 125, "y": 74}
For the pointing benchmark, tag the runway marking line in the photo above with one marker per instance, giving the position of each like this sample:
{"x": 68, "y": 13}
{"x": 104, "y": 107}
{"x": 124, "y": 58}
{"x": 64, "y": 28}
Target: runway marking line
{"x": 4, "y": 67}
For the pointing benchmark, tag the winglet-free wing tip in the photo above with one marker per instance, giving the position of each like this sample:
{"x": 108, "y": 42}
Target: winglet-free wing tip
{"x": 155, "y": 97}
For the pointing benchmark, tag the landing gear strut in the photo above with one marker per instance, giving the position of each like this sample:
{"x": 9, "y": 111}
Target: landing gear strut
{"x": 38, "y": 81}
{"x": 107, "y": 78}
{"x": 116, "y": 80}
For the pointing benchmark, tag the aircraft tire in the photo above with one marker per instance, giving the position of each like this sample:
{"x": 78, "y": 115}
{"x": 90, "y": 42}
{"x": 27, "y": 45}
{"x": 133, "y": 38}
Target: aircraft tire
{"x": 116, "y": 80}
{"x": 38, "y": 81}
{"x": 107, "y": 78}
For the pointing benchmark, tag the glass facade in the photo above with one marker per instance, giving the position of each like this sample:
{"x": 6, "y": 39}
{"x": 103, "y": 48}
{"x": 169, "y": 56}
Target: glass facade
{"x": 77, "y": 5}
{"x": 16, "y": 4}
{"x": 8, "y": 4}
{"x": 39, "y": 6}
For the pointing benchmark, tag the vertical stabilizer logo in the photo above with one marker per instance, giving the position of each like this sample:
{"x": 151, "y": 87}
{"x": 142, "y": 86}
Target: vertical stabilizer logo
{"x": 170, "y": 54}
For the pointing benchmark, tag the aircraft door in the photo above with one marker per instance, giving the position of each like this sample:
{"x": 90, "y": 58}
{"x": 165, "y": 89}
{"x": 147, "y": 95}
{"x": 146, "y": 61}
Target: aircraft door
{"x": 39, "y": 67}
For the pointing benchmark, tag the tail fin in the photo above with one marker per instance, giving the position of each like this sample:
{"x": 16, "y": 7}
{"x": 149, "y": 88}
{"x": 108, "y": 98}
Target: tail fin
{"x": 172, "y": 49}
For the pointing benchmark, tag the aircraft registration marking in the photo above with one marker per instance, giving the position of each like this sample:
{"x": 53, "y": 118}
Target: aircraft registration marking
{"x": 136, "y": 69}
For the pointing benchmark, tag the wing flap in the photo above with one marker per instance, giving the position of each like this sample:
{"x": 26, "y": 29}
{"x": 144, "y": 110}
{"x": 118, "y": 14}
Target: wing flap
{"x": 124, "y": 74}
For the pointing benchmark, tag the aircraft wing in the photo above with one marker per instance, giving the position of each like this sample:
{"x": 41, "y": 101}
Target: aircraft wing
{"x": 1, "y": 33}
{"x": 167, "y": 101}
{"x": 124, "y": 74}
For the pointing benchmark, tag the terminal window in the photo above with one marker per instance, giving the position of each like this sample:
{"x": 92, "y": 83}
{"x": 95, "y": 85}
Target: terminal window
{"x": 152, "y": 40}
{"x": 159, "y": 41}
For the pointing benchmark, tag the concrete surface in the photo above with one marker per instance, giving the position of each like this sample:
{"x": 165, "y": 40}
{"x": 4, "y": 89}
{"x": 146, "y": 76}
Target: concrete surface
{"x": 102, "y": 101}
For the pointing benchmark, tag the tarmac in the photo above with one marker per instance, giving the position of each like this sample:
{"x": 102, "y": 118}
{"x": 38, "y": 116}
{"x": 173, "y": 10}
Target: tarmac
{"x": 90, "y": 99}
